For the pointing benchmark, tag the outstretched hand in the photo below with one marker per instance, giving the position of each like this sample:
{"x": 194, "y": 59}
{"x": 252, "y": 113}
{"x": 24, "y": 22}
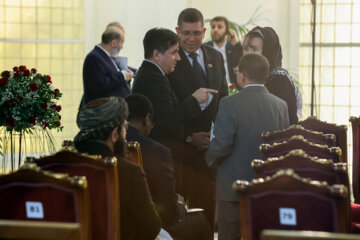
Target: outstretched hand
{"x": 202, "y": 94}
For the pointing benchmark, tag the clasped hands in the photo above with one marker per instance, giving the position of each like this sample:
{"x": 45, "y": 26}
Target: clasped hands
{"x": 201, "y": 140}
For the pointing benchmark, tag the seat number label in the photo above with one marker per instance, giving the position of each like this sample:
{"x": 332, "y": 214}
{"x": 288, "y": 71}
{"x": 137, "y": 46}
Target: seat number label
{"x": 34, "y": 210}
{"x": 287, "y": 216}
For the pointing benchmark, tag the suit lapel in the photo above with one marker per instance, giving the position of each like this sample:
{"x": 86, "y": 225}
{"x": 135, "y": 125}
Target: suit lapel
{"x": 106, "y": 58}
{"x": 209, "y": 66}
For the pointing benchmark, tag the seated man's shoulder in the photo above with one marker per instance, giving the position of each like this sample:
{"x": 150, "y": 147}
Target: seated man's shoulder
{"x": 156, "y": 147}
{"x": 129, "y": 167}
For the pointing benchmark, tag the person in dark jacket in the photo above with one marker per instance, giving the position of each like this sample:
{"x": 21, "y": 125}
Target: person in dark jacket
{"x": 102, "y": 132}
{"x": 265, "y": 41}
{"x": 159, "y": 171}
{"x": 225, "y": 41}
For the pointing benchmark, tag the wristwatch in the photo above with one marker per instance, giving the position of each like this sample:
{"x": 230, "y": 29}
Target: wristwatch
{"x": 188, "y": 139}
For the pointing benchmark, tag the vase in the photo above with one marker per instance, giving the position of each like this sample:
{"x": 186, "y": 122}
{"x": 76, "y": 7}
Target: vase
{"x": 16, "y": 145}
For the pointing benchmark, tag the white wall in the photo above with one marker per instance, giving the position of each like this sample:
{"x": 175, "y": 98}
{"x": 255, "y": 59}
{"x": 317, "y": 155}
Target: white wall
{"x": 138, "y": 16}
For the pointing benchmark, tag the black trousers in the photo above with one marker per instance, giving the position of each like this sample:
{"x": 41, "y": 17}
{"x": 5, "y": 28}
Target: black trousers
{"x": 199, "y": 184}
{"x": 193, "y": 226}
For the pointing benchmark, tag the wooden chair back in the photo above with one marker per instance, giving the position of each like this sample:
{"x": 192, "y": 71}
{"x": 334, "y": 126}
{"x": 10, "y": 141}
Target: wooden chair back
{"x": 31, "y": 194}
{"x": 311, "y": 136}
{"x": 134, "y": 152}
{"x": 340, "y": 131}
{"x": 305, "y": 235}
{"x": 299, "y": 142}
{"x": 287, "y": 201}
{"x": 103, "y": 182}
{"x": 305, "y": 166}
{"x": 31, "y": 230}
{"x": 355, "y": 125}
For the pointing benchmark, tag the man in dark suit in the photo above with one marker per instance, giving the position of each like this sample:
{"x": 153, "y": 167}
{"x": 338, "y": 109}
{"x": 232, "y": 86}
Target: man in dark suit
{"x": 231, "y": 49}
{"x": 102, "y": 77}
{"x": 102, "y": 132}
{"x": 241, "y": 119}
{"x": 161, "y": 48}
{"x": 200, "y": 66}
{"x": 159, "y": 172}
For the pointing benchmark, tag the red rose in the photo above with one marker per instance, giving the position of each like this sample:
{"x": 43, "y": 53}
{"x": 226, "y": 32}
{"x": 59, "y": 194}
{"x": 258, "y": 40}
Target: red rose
{"x": 44, "y": 106}
{"x": 3, "y": 82}
{"x": 5, "y": 74}
{"x": 22, "y": 68}
{"x": 53, "y": 106}
{"x": 48, "y": 78}
{"x": 10, "y": 122}
{"x": 57, "y": 123}
{"x": 16, "y": 69}
{"x": 33, "y": 71}
{"x": 38, "y": 75}
{"x": 32, "y": 120}
{"x": 17, "y": 74}
{"x": 20, "y": 98}
{"x": 7, "y": 103}
{"x": 59, "y": 116}
{"x": 56, "y": 92}
{"x": 232, "y": 86}
{"x": 26, "y": 72}
{"x": 58, "y": 108}
{"x": 45, "y": 124}
{"x": 33, "y": 86}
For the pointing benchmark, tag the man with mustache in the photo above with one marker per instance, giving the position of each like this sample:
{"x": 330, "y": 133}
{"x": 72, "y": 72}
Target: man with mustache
{"x": 200, "y": 66}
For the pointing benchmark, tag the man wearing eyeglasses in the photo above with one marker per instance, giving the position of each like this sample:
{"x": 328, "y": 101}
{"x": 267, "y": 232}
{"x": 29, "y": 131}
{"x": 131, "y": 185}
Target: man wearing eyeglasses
{"x": 200, "y": 66}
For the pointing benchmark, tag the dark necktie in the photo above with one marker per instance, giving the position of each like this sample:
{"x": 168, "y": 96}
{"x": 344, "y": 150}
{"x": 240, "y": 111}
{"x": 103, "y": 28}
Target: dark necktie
{"x": 199, "y": 73}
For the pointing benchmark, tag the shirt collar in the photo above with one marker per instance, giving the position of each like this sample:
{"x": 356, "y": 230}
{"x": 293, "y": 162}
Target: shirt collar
{"x": 222, "y": 48}
{"x": 254, "y": 85}
{"x": 107, "y": 53}
{"x": 197, "y": 52}
{"x": 147, "y": 60}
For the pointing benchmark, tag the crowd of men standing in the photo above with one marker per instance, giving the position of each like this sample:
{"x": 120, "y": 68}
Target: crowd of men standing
{"x": 178, "y": 95}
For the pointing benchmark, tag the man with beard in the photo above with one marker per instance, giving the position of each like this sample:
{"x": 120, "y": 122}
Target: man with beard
{"x": 231, "y": 49}
{"x": 201, "y": 66}
{"x": 102, "y": 124}
{"x": 102, "y": 77}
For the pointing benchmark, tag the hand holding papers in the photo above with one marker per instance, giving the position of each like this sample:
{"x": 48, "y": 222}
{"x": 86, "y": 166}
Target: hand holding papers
{"x": 122, "y": 62}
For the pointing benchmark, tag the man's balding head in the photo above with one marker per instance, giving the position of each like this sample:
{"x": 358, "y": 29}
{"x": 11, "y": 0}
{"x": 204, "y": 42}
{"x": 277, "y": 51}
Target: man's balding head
{"x": 116, "y": 24}
{"x": 111, "y": 33}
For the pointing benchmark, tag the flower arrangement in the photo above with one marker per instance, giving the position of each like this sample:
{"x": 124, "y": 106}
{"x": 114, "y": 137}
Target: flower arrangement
{"x": 232, "y": 89}
{"x": 28, "y": 99}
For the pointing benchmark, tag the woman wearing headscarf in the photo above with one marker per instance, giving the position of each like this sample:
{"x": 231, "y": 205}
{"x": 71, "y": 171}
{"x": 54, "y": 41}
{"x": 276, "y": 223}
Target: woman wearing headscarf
{"x": 265, "y": 41}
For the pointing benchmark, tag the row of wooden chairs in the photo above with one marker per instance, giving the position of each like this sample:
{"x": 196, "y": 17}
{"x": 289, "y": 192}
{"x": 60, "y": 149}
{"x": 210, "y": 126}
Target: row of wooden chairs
{"x": 51, "y": 184}
{"x": 302, "y": 185}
